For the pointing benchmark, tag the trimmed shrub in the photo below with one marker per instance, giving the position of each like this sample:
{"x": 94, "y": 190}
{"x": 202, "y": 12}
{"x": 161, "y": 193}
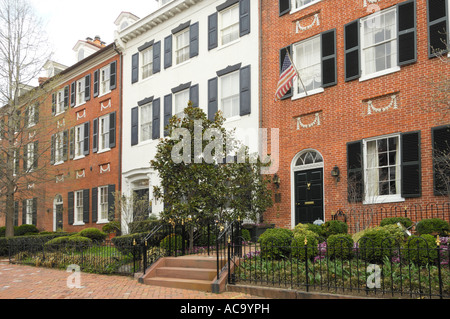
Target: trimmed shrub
{"x": 433, "y": 226}
{"x": 334, "y": 227}
{"x": 420, "y": 250}
{"x": 319, "y": 230}
{"x": 298, "y": 245}
{"x": 379, "y": 242}
{"x": 275, "y": 243}
{"x": 96, "y": 235}
{"x": 75, "y": 242}
{"x": 405, "y": 221}
{"x": 340, "y": 246}
{"x": 125, "y": 243}
{"x": 23, "y": 230}
{"x": 172, "y": 242}
{"x": 111, "y": 227}
{"x": 245, "y": 233}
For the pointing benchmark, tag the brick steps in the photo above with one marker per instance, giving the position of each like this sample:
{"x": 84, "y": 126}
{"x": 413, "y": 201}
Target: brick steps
{"x": 191, "y": 272}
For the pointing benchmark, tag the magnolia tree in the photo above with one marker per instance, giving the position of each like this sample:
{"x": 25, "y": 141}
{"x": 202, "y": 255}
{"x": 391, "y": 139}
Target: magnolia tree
{"x": 207, "y": 174}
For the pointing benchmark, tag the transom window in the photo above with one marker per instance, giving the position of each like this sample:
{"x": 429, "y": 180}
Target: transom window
{"x": 309, "y": 158}
{"x": 181, "y": 102}
{"x": 147, "y": 63}
{"x": 307, "y": 58}
{"x": 146, "y": 118}
{"x": 379, "y": 42}
{"x": 229, "y": 95}
{"x": 182, "y": 46}
{"x": 229, "y": 28}
{"x": 382, "y": 168}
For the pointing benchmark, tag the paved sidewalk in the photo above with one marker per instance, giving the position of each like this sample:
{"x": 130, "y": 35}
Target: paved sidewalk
{"x": 25, "y": 282}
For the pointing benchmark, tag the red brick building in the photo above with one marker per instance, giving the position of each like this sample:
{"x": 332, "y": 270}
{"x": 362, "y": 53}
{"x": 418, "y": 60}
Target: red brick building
{"x": 83, "y": 106}
{"x": 361, "y": 140}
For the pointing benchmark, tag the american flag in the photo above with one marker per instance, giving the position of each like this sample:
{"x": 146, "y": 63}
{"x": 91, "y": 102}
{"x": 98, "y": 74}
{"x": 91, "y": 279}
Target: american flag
{"x": 288, "y": 74}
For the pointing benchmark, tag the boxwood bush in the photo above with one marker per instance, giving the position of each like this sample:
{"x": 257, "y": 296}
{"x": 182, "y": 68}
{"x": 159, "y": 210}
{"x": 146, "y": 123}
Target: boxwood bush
{"x": 433, "y": 226}
{"x": 275, "y": 243}
{"x": 96, "y": 235}
{"x": 125, "y": 243}
{"x": 420, "y": 250}
{"x": 405, "y": 221}
{"x": 334, "y": 227}
{"x": 340, "y": 246}
{"x": 299, "y": 250}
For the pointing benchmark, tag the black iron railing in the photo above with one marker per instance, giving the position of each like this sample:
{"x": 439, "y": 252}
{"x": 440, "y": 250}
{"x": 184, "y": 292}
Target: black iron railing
{"x": 228, "y": 245}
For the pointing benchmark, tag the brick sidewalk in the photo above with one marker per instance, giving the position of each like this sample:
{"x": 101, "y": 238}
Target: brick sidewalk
{"x": 19, "y": 282}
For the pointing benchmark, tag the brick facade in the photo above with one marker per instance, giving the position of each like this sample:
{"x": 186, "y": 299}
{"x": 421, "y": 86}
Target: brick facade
{"x": 343, "y": 109}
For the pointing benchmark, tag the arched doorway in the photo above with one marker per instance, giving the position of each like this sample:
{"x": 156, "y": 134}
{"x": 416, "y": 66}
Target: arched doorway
{"x": 58, "y": 206}
{"x": 307, "y": 187}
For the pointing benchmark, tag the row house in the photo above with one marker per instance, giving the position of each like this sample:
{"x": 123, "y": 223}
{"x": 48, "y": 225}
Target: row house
{"x": 361, "y": 123}
{"x": 205, "y": 52}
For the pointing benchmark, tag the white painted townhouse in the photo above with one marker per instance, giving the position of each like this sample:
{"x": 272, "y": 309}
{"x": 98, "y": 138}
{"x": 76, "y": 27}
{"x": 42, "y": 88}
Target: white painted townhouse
{"x": 202, "y": 51}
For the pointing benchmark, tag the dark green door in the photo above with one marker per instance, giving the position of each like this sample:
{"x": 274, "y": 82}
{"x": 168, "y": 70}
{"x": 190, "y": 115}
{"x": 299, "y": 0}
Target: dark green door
{"x": 309, "y": 196}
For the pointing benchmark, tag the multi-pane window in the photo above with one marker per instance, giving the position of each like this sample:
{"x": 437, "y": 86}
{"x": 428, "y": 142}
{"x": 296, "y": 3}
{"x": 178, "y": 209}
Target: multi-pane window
{"x": 79, "y": 140}
{"x": 146, "y": 119}
{"x": 103, "y": 124}
{"x": 31, "y": 116}
{"x": 59, "y": 147}
{"x": 105, "y": 75}
{"x": 298, "y": 4}
{"x": 379, "y": 42}
{"x": 182, "y": 46}
{"x": 30, "y": 156}
{"x": 78, "y": 207}
{"x": 382, "y": 168}
{"x": 103, "y": 203}
{"x": 307, "y": 59}
{"x": 29, "y": 212}
{"x": 181, "y": 102}
{"x": 80, "y": 91}
{"x": 229, "y": 95}
{"x": 147, "y": 63}
{"x": 229, "y": 29}
{"x": 60, "y": 102}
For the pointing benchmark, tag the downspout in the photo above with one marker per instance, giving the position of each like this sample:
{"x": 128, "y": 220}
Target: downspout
{"x": 121, "y": 117}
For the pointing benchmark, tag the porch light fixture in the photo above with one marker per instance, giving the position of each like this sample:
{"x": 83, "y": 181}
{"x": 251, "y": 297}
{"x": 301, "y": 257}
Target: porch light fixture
{"x": 276, "y": 180}
{"x": 336, "y": 173}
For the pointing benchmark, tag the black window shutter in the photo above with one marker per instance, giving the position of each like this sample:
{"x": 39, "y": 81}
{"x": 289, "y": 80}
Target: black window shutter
{"x": 352, "y": 48}
{"x": 112, "y": 130}
{"x": 157, "y": 57}
{"x": 72, "y": 143}
{"x": 437, "y": 27}
{"x": 35, "y": 155}
{"x": 135, "y": 68}
{"x": 156, "y": 119}
{"x": 87, "y": 87}
{"x": 168, "y": 52}
{"x": 70, "y": 212}
{"x": 95, "y": 135}
{"x": 73, "y": 90}
{"x": 65, "y": 145}
{"x": 193, "y": 95}
{"x": 244, "y": 17}
{"x": 96, "y": 82}
{"x": 212, "y": 31}
{"x": 355, "y": 175}
{"x": 135, "y": 126}
{"x": 193, "y": 40}
{"x": 52, "y": 150}
{"x": 329, "y": 61}
{"x": 167, "y": 112}
{"x": 24, "y": 212}
{"x": 245, "y": 91}
{"x": 94, "y": 204}
{"x": 213, "y": 105}
{"x": 86, "y": 139}
{"x": 111, "y": 202}
{"x": 66, "y": 97}
{"x": 284, "y": 6}
{"x": 283, "y": 53}
{"x": 441, "y": 154}
{"x": 34, "y": 212}
{"x": 113, "y": 75}
{"x": 25, "y": 158}
{"x": 411, "y": 165}
{"x": 407, "y": 34}
{"x": 36, "y": 113}
{"x": 53, "y": 103}
{"x": 86, "y": 206}
{"x": 16, "y": 213}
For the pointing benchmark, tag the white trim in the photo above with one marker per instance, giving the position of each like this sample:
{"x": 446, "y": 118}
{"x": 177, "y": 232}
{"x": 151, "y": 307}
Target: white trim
{"x": 294, "y": 10}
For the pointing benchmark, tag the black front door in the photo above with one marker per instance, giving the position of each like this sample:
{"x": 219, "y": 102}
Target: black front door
{"x": 309, "y": 196}
{"x": 59, "y": 217}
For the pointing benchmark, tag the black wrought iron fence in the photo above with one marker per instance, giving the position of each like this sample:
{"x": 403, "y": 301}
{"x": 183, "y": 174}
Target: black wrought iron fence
{"x": 417, "y": 268}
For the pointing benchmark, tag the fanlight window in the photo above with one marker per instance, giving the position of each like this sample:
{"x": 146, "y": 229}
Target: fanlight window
{"x": 308, "y": 158}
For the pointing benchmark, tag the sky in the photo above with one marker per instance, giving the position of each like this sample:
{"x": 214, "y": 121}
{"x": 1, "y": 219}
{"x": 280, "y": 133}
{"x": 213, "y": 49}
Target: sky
{"x": 66, "y": 22}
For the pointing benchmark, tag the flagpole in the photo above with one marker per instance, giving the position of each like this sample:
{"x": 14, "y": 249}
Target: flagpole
{"x": 298, "y": 73}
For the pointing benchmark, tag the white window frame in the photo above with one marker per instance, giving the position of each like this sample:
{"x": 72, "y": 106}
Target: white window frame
{"x": 80, "y": 96}
{"x": 298, "y": 5}
{"x": 30, "y": 157}
{"x": 234, "y": 97}
{"x": 31, "y": 115}
{"x": 59, "y": 102}
{"x": 297, "y": 84}
{"x": 102, "y": 205}
{"x": 233, "y": 26}
{"x": 147, "y": 63}
{"x": 79, "y": 141}
{"x": 180, "y": 102}
{"x": 59, "y": 148}
{"x": 78, "y": 209}
{"x": 29, "y": 212}
{"x": 148, "y": 124}
{"x": 375, "y": 198}
{"x": 104, "y": 79}
{"x": 182, "y": 51}
{"x": 366, "y": 74}
{"x": 103, "y": 134}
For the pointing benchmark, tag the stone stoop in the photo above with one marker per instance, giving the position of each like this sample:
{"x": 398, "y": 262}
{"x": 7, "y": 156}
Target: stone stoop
{"x": 189, "y": 272}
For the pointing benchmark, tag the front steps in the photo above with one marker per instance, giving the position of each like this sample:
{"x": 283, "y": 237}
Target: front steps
{"x": 189, "y": 272}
